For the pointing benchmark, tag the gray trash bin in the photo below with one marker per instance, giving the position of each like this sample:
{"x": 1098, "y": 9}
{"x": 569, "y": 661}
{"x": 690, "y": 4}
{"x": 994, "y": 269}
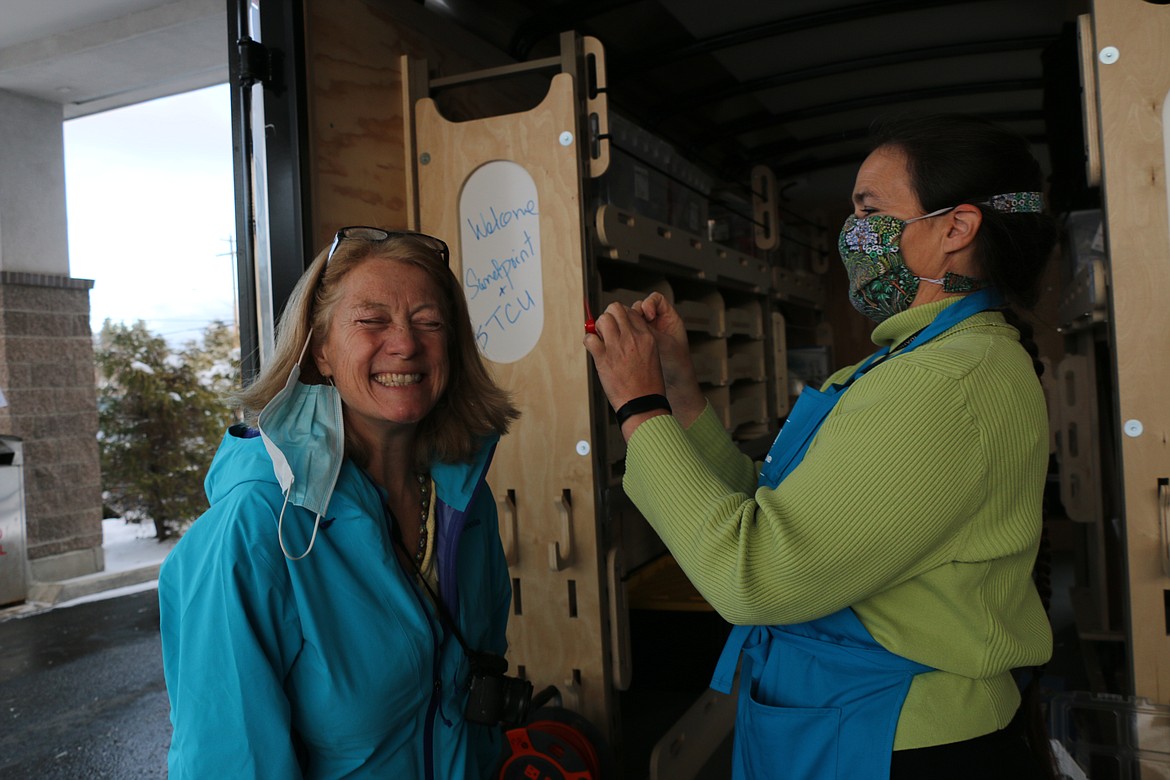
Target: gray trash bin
{"x": 13, "y": 558}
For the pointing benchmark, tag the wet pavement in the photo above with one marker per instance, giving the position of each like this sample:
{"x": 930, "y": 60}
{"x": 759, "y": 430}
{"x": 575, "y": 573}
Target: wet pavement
{"x": 82, "y": 693}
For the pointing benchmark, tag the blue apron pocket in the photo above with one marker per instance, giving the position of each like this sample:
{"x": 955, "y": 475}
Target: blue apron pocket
{"x": 785, "y": 743}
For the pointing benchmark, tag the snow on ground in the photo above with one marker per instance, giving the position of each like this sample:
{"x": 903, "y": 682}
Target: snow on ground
{"x": 127, "y": 546}
{"x": 131, "y": 545}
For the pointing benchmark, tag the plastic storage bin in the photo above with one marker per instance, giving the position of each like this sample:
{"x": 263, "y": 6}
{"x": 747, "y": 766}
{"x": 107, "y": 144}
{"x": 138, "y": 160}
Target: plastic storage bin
{"x": 1113, "y": 737}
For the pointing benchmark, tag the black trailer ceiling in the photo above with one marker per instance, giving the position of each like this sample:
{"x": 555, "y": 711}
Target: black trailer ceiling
{"x": 796, "y": 84}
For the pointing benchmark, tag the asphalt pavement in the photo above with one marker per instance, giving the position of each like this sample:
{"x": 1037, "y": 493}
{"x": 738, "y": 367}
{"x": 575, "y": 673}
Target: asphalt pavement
{"x": 82, "y": 693}
{"x": 81, "y": 684}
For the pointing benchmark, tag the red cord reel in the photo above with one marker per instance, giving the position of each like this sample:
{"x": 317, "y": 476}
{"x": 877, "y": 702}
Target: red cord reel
{"x": 550, "y": 750}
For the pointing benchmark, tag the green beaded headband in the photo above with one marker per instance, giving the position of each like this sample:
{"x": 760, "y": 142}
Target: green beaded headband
{"x": 1017, "y": 202}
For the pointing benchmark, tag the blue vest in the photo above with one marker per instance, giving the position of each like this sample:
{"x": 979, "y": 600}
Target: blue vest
{"x": 821, "y": 700}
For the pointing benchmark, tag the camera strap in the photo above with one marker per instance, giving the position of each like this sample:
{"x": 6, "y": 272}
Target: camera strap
{"x": 480, "y": 662}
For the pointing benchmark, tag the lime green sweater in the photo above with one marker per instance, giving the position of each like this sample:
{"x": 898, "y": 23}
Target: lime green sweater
{"x": 918, "y": 504}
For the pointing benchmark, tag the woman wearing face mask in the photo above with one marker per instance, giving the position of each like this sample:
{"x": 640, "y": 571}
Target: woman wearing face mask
{"x": 318, "y": 619}
{"x": 877, "y": 566}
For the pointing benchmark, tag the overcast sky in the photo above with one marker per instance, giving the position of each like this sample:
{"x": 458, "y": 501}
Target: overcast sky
{"x": 151, "y": 212}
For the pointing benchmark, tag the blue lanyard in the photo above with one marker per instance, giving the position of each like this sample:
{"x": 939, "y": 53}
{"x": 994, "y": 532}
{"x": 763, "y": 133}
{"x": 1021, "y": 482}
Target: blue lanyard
{"x": 813, "y": 406}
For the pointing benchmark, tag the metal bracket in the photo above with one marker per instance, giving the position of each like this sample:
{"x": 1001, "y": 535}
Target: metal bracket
{"x": 255, "y": 61}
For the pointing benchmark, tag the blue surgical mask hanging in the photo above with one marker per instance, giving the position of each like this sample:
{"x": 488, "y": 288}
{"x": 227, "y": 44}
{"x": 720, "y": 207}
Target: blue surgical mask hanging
{"x": 303, "y": 432}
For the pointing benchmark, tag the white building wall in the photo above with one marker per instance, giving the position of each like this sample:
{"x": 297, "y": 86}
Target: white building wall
{"x": 33, "y": 235}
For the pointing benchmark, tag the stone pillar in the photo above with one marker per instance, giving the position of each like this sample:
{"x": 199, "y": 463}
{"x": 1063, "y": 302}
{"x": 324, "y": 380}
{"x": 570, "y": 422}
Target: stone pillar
{"x": 47, "y": 374}
{"x": 46, "y": 348}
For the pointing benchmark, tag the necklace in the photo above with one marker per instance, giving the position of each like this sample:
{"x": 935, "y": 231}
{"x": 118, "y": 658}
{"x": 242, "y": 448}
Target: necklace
{"x": 424, "y": 490}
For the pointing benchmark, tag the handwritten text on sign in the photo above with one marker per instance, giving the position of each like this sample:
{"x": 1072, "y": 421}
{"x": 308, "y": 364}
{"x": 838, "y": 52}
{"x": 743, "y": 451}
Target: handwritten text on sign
{"x": 499, "y": 218}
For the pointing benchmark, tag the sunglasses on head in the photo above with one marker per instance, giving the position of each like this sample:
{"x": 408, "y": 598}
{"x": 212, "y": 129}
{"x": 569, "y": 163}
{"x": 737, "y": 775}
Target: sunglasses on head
{"x": 378, "y": 235}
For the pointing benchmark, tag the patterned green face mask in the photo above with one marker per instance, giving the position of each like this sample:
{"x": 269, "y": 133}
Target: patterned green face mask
{"x": 880, "y": 284}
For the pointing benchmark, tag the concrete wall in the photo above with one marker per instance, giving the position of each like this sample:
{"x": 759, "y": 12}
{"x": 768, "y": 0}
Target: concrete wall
{"x": 32, "y": 186}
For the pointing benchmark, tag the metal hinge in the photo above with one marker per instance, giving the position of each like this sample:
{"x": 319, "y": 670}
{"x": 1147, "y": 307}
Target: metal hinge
{"x": 254, "y": 62}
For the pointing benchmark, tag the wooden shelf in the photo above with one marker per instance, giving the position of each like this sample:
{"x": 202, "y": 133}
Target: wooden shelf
{"x": 748, "y": 403}
{"x": 709, "y": 356}
{"x": 794, "y": 286}
{"x": 745, "y": 360}
{"x": 661, "y": 585}
{"x": 633, "y": 238}
{"x": 703, "y": 313}
{"x": 745, "y": 319}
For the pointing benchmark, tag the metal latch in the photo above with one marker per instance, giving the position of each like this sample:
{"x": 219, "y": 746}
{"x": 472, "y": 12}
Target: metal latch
{"x": 255, "y": 62}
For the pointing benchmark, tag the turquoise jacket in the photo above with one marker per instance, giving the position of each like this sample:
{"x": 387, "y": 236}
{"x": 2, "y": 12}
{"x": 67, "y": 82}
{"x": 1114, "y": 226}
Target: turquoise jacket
{"x": 336, "y": 665}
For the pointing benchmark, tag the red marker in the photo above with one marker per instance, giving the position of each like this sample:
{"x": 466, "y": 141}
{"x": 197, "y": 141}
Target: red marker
{"x": 590, "y": 325}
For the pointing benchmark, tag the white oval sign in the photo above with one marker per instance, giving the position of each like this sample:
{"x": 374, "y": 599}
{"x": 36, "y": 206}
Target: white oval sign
{"x": 499, "y": 218}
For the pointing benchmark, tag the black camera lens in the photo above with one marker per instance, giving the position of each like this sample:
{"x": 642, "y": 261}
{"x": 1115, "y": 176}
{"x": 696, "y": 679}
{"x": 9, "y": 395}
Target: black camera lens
{"x": 516, "y": 695}
{"x": 496, "y": 699}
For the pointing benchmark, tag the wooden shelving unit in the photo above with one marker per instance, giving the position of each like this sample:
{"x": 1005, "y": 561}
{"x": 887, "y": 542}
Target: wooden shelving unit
{"x": 578, "y": 550}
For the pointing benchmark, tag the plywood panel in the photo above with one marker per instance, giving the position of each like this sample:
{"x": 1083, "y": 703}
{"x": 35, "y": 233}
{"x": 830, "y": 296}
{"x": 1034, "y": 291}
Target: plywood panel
{"x": 356, "y": 127}
{"x": 560, "y": 636}
{"x": 1132, "y": 90}
{"x": 353, "y": 51}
